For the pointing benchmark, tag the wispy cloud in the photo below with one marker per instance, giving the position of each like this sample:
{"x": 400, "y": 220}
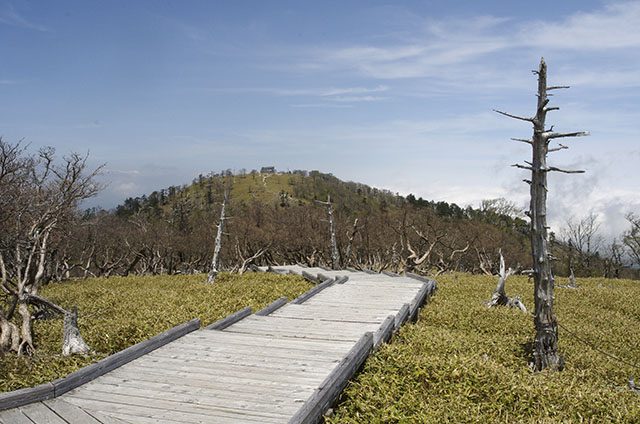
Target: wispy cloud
{"x": 615, "y": 26}
{"x": 454, "y": 50}
{"x": 10, "y": 16}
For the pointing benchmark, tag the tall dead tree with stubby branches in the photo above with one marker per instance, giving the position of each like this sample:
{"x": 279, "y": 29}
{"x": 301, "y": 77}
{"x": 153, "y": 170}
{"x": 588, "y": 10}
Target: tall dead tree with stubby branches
{"x": 335, "y": 253}
{"x": 215, "y": 261}
{"x": 545, "y": 354}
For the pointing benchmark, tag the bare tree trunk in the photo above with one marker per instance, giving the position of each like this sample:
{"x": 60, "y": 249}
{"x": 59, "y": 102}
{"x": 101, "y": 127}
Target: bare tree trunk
{"x": 500, "y": 297}
{"x": 335, "y": 254}
{"x": 350, "y": 236}
{"x": 26, "y": 346}
{"x": 215, "y": 262}
{"x": 545, "y": 353}
{"x": 9, "y": 335}
{"x": 73, "y": 343}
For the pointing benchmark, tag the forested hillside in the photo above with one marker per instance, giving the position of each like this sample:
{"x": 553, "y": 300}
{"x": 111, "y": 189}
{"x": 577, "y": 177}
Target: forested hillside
{"x": 172, "y": 230}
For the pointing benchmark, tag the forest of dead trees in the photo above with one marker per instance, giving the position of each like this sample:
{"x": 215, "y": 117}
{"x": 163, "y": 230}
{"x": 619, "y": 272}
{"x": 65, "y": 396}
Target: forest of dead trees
{"x": 173, "y": 231}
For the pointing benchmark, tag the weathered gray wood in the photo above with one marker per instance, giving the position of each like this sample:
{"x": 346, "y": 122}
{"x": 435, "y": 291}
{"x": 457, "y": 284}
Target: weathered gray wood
{"x": 328, "y": 391}
{"x": 273, "y": 306}
{"x": 383, "y": 335}
{"x": 390, "y": 274}
{"x": 422, "y": 296}
{"x": 322, "y": 277}
{"x": 223, "y": 323}
{"x": 402, "y": 316}
{"x": 71, "y": 413}
{"x": 39, "y": 413}
{"x": 368, "y": 271}
{"x": 417, "y": 277}
{"x": 309, "y": 277}
{"x": 25, "y": 396}
{"x": 110, "y": 419}
{"x": 186, "y": 400}
{"x": 266, "y": 341}
{"x": 313, "y": 291}
{"x": 166, "y": 413}
{"x": 14, "y": 416}
{"x": 116, "y": 360}
{"x": 211, "y": 386}
{"x": 167, "y": 404}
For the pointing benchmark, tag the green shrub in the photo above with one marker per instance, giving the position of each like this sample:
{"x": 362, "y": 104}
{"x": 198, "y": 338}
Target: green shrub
{"x": 118, "y": 312}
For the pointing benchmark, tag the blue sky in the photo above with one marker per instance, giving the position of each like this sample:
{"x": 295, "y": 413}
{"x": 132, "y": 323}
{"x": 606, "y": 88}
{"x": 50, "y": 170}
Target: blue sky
{"x": 398, "y": 95}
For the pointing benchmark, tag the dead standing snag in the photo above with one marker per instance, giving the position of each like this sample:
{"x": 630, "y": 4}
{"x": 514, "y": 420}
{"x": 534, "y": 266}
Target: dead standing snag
{"x": 545, "y": 353}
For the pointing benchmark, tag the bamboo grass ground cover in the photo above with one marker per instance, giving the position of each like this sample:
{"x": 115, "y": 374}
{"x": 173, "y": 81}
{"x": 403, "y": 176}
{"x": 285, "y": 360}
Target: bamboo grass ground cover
{"x": 464, "y": 363}
{"x": 117, "y": 312}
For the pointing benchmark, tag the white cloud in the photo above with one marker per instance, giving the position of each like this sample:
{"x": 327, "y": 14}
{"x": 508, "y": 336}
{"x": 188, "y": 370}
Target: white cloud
{"x": 10, "y": 16}
{"x": 614, "y": 27}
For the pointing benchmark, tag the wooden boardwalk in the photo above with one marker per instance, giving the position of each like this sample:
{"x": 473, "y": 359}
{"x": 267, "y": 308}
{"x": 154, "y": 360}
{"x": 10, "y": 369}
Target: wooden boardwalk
{"x": 287, "y": 366}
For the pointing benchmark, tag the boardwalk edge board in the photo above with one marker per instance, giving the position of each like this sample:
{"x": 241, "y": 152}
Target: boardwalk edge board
{"x": 62, "y": 385}
{"x": 273, "y": 306}
{"x": 324, "y": 396}
{"x": 423, "y": 296}
{"x": 313, "y": 291}
{"x": 225, "y": 322}
{"x": 384, "y": 333}
{"x": 309, "y": 277}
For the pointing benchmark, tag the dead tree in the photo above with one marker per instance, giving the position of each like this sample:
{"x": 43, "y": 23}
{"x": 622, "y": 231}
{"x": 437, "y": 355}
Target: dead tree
{"x": 500, "y": 297}
{"x": 247, "y": 262}
{"x": 545, "y": 353}
{"x": 414, "y": 260}
{"x": 350, "y": 236}
{"x": 335, "y": 254}
{"x": 38, "y": 197}
{"x": 215, "y": 262}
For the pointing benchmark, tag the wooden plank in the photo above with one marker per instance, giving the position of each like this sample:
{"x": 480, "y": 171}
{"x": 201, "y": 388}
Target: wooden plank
{"x": 116, "y": 360}
{"x": 27, "y": 395}
{"x": 250, "y": 380}
{"x": 421, "y": 298}
{"x": 311, "y": 370}
{"x": 273, "y": 306}
{"x": 106, "y": 408}
{"x": 14, "y": 416}
{"x": 222, "y": 353}
{"x": 39, "y": 413}
{"x": 225, "y": 322}
{"x": 313, "y": 291}
{"x": 69, "y": 412}
{"x": 402, "y": 316}
{"x": 327, "y": 393}
{"x": 390, "y": 274}
{"x": 245, "y": 359}
{"x": 266, "y": 341}
{"x": 210, "y": 386}
{"x": 310, "y": 277}
{"x": 302, "y": 375}
{"x": 184, "y": 401}
{"x": 217, "y": 392}
{"x": 168, "y": 405}
{"x": 383, "y": 335}
{"x": 266, "y": 350}
{"x": 302, "y": 327}
{"x": 109, "y": 419}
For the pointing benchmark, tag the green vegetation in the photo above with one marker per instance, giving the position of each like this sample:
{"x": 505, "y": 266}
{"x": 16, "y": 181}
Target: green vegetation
{"x": 463, "y": 362}
{"x": 120, "y": 311}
